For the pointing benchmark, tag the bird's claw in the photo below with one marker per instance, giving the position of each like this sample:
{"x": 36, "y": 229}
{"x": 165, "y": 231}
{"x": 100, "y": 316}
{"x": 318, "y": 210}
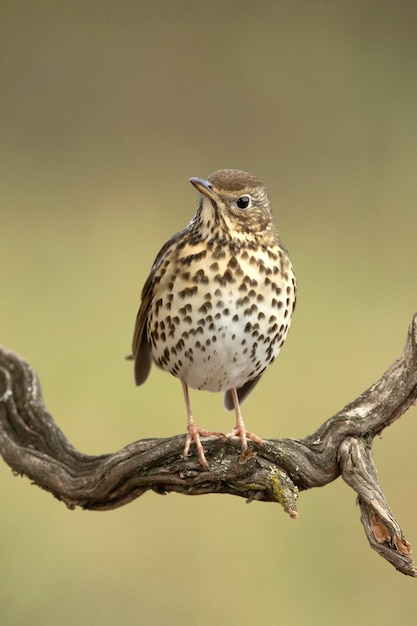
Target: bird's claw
{"x": 244, "y": 435}
{"x": 193, "y": 435}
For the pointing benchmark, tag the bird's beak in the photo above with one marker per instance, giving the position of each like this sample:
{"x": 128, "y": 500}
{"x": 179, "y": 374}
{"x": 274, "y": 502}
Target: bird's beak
{"x": 204, "y": 187}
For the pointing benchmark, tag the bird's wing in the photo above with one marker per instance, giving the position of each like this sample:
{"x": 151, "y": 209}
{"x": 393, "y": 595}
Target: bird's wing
{"x": 140, "y": 346}
{"x": 242, "y": 393}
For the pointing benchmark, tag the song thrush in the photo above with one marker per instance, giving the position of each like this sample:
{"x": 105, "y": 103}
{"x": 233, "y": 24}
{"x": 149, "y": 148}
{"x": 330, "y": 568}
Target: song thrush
{"x": 217, "y": 304}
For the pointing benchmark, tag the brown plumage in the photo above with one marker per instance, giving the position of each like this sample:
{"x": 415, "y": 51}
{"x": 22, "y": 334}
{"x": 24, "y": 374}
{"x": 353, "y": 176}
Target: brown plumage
{"x": 217, "y": 304}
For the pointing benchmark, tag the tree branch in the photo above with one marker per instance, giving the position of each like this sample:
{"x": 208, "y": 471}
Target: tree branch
{"x": 32, "y": 444}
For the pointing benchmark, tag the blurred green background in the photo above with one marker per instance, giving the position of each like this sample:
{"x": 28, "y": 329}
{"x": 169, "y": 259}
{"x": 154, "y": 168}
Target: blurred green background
{"x": 106, "y": 109}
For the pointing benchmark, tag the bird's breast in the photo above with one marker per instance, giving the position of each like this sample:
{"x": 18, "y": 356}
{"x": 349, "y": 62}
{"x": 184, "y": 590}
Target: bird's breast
{"x": 217, "y": 318}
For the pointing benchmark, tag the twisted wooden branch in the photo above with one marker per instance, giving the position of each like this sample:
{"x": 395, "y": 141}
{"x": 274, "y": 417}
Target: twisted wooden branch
{"x": 32, "y": 444}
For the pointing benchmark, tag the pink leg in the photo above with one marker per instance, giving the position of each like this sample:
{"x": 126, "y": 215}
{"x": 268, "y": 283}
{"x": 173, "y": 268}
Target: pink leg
{"x": 194, "y": 432}
{"x": 240, "y": 430}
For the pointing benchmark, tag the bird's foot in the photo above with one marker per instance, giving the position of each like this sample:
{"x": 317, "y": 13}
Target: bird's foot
{"x": 193, "y": 435}
{"x": 244, "y": 435}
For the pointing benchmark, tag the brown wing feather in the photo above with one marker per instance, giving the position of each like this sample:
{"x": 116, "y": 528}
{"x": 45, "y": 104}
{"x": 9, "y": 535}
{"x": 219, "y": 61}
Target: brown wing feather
{"x": 141, "y": 351}
{"x": 140, "y": 346}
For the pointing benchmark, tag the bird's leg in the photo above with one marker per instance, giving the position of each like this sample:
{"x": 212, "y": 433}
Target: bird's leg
{"x": 194, "y": 432}
{"x": 240, "y": 430}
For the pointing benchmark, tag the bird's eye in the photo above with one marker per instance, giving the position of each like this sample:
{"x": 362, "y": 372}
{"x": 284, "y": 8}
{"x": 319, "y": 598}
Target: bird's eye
{"x": 243, "y": 202}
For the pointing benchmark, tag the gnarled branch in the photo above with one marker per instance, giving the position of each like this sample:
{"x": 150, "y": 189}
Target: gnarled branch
{"x": 32, "y": 444}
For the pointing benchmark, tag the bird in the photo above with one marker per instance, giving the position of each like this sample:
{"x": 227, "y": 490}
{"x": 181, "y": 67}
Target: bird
{"x": 217, "y": 305}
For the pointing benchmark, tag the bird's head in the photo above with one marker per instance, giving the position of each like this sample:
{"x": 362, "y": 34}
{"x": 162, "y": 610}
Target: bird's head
{"x": 235, "y": 201}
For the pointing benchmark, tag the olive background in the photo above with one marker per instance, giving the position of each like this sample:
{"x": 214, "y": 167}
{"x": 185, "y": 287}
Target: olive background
{"x": 107, "y": 108}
